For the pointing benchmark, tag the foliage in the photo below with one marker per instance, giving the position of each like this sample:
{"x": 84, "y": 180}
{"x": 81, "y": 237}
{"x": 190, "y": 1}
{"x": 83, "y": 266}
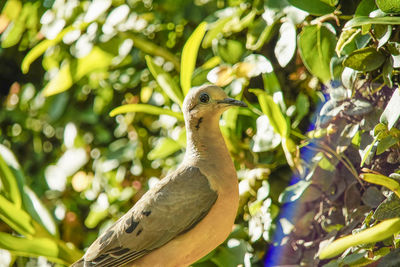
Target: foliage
{"x": 66, "y": 66}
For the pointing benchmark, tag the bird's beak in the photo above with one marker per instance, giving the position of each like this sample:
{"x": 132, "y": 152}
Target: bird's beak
{"x": 232, "y": 102}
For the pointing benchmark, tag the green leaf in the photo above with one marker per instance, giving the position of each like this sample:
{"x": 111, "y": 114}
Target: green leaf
{"x": 389, "y": 6}
{"x": 380, "y": 179}
{"x": 152, "y": 49}
{"x": 293, "y": 192}
{"x": 376, "y": 233}
{"x": 165, "y": 81}
{"x": 260, "y": 33}
{"x": 232, "y": 256}
{"x": 387, "y": 72}
{"x": 189, "y": 56}
{"x": 273, "y": 112}
{"x": 146, "y": 109}
{"x": 391, "y": 114}
{"x": 12, "y": 9}
{"x": 15, "y": 217}
{"x": 389, "y": 208}
{"x": 365, "y": 7}
{"x": 216, "y": 28}
{"x": 72, "y": 72}
{"x": 31, "y": 202}
{"x": 230, "y": 51}
{"x": 317, "y": 47}
{"x": 38, "y": 211}
{"x": 364, "y": 59}
{"x": 51, "y": 249}
{"x": 386, "y": 143}
{"x": 346, "y": 37}
{"x": 40, "y": 48}
{"x": 314, "y": 7}
{"x": 302, "y": 109}
{"x": 8, "y": 180}
{"x": 364, "y": 20}
{"x": 95, "y": 216}
{"x": 164, "y": 148}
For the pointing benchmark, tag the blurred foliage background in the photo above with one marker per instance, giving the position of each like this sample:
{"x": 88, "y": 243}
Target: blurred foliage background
{"x": 90, "y": 119}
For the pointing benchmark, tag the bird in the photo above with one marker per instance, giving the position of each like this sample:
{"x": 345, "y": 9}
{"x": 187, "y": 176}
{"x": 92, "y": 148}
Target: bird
{"x": 190, "y": 211}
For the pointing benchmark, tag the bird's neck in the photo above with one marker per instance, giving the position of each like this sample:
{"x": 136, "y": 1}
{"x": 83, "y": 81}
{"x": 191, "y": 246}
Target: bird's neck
{"x": 205, "y": 141}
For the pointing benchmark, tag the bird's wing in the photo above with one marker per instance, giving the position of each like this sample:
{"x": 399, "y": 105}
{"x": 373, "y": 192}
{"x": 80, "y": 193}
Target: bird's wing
{"x": 174, "y": 206}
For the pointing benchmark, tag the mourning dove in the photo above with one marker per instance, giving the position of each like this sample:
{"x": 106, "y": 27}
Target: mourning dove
{"x": 190, "y": 211}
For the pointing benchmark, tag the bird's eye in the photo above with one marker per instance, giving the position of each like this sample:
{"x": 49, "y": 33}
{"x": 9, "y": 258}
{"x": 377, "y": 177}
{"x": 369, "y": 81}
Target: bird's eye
{"x": 204, "y": 98}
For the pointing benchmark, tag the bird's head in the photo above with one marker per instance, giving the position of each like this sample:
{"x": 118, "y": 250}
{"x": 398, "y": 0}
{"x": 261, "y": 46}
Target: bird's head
{"x": 207, "y": 101}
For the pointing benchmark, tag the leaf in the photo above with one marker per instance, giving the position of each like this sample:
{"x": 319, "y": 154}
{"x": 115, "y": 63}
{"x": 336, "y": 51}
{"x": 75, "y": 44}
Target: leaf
{"x": 273, "y": 112}
{"x": 314, "y": 7}
{"x": 8, "y": 181}
{"x": 95, "y": 216}
{"x": 189, "y": 56}
{"x": 153, "y": 49}
{"x": 383, "y": 180}
{"x": 293, "y": 192}
{"x": 216, "y": 28}
{"x": 259, "y": 33}
{"x": 51, "y": 249}
{"x": 230, "y": 51}
{"x": 40, "y": 48}
{"x": 386, "y": 143}
{"x": 391, "y": 259}
{"x": 364, "y": 59}
{"x": 376, "y": 233}
{"x": 317, "y": 47}
{"x": 31, "y": 202}
{"x": 365, "y": 20}
{"x": 346, "y": 37}
{"x": 165, "y": 81}
{"x": 389, "y": 6}
{"x": 15, "y": 217}
{"x": 164, "y": 148}
{"x": 72, "y": 72}
{"x": 302, "y": 109}
{"x": 387, "y": 72}
{"x": 231, "y": 256}
{"x": 390, "y": 208}
{"x": 391, "y": 114}
{"x": 365, "y": 7}
{"x": 35, "y": 207}
{"x": 146, "y": 109}
{"x": 286, "y": 44}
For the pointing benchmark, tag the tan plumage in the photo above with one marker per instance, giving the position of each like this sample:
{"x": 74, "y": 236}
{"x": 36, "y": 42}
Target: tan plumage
{"x": 190, "y": 211}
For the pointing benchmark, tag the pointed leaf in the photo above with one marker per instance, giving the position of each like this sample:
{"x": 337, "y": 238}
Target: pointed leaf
{"x": 272, "y": 110}
{"x": 146, "y": 109}
{"x": 8, "y": 180}
{"x": 164, "y": 148}
{"x": 314, "y": 7}
{"x": 380, "y": 179}
{"x": 40, "y": 48}
{"x": 72, "y": 72}
{"x": 15, "y": 217}
{"x": 365, "y": 20}
{"x": 189, "y": 56}
{"x": 51, "y": 249}
{"x": 376, "y": 233}
{"x": 364, "y": 59}
{"x": 317, "y": 47}
{"x": 165, "y": 81}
